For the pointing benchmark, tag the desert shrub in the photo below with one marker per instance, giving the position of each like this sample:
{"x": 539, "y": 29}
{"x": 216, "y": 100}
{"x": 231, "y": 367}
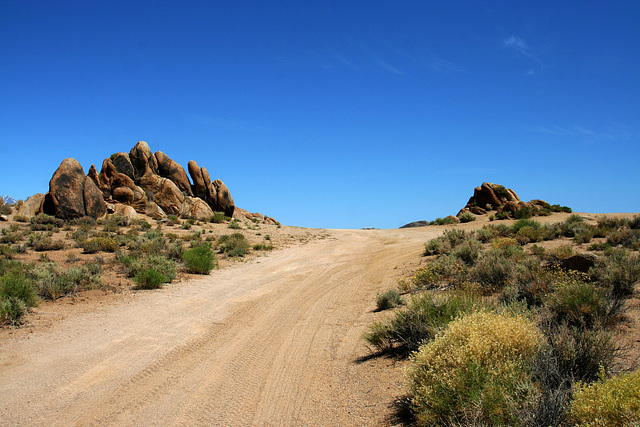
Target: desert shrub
{"x": 467, "y": 217}
{"x": 420, "y": 320}
{"x": 152, "y": 242}
{"x": 626, "y": 237}
{"x": 455, "y": 236}
{"x": 20, "y": 218}
{"x": 443, "y": 221}
{"x": 617, "y": 272}
{"x": 467, "y": 252}
{"x": 43, "y": 221}
{"x": 475, "y": 372}
{"x": 100, "y": 244}
{"x": 389, "y": 299}
{"x": 579, "y": 304}
{"x": 493, "y": 270}
{"x": 584, "y": 236}
{"x": 485, "y": 234}
{"x": 558, "y": 208}
{"x": 173, "y": 220}
{"x": 17, "y": 294}
{"x": 149, "y": 278}
{"x": 53, "y": 282}
{"x": 199, "y": 259}
{"x": 218, "y": 218}
{"x": 233, "y": 245}
{"x": 561, "y": 252}
{"x": 263, "y": 247}
{"x": 522, "y": 223}
{"x": 424, "y": 278}
{"x": 134, "y": 264}
{"x": 502, "y": 215}
{"x": 174, "y": 250}
{"x": 41, "y": 242}
{"x": 437, "y": 246}
{"x": 525, "y": 212}
{"x": 608, "y": 402}
{"x": 235, "y": 224}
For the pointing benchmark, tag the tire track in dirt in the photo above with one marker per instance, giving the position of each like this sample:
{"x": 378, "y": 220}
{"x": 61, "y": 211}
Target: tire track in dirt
{"x": 268, "y": 343}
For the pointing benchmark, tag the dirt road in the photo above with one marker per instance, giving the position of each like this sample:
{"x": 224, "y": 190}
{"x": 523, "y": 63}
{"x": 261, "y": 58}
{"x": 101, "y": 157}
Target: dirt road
{"x": 275, "y": 341}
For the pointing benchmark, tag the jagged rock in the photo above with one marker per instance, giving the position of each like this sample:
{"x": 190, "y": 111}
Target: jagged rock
{"x": 168, "y": 168}
{"x": 122, "y": 164}
{"x": 224, "y": 199}
{"x": 32, "y": 206}
{"x": 142, "y": 159}
{"x": 196, "y": 208}
{"x": 579, "y": 262}
{"x": 211, "y": 196}
{"x": 94, "y": 204}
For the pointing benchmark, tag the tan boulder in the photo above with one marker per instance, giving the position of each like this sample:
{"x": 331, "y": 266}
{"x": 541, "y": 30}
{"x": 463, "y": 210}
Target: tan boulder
{"x": 124, "y": 210}
{"x": 168, "y": 168}
{"x": 169, "y": 197}
{"x": 153, "y": 210}
{"x": 211, "y": 194}
{"x": 224, "y": 199}
{"x": 122, "y": 164}
{"x": 32, "y": 206}
{"x": 142, "y": 159}
{"x": 196, "y": 208}
{"x": 65, "y": 198}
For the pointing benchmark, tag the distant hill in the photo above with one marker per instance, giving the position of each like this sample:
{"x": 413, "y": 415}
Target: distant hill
{"x": 8, "y": 200}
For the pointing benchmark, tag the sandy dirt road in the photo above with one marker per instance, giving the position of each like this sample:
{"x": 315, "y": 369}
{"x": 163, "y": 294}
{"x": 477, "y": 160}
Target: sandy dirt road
{"x": 274, "y": 342}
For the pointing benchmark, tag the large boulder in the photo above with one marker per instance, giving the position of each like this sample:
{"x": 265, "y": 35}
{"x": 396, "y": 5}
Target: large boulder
{"x": 224, "y": 199}
{"x": 169, "y": 197}
{"x": 196, "y": 208}
{"x": 142, "y": 159}
{"x": 72, "y": 194}
{"x": 168, "y": 168}
{"x": 491, "y": 196}
{"x": 32, "y": 206}
{"x": 579, "y": 262}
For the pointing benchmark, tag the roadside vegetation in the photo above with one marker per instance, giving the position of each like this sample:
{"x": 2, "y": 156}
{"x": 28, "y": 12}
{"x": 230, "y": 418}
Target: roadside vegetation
{"x": 130, "y": 251}
{"x": 514, "y": 325}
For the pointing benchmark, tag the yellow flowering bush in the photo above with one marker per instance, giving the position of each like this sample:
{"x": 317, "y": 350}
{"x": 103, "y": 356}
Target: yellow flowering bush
{"x": 607, "y": 402}
{"x": 475, "y": 371}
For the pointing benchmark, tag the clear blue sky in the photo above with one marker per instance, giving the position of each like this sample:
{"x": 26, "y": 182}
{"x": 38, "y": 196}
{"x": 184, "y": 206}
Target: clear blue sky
{"x": 339, "y": 114}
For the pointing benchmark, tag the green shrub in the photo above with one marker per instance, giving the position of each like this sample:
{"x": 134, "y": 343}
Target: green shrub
{"x": 608, "y": 402}
{"x": 467, "y": 217}
{"x": 475, "y": 372}
{"x": 389, "y": 299}
{"x": 420, "y": 320}
{"x": 199, "y": 259}
{"x": 455, "y": 236}
{"x": 262, "y": 247}
{"x": 235, "y": 224}
{"x": 134, "y": 264}
{"x": 17, "y": 294}
{"x": 100, "y": 244}
{"x": 580, "y": 304}
{"x": 218, "y": 218}
{"x": 525, "y": 212}
{"x": 45, "y": 222}
{"x": 443, "y": 221}
{"x": 427, "y": 277}
{"x": 233, "y": 245}
{"x": 485, "y": 234}
{"x": 149, "y": 278}
{"x": 53, "y": 282}
{"x": 467, "y": 252}
{"x": 617, "y": 272}
{"x": 41, "y": 242}
{"x": 493, "y": 270}
{"x": 437, "y": 246}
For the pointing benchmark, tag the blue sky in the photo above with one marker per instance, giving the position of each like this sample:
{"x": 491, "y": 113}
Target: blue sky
{"x": 337, "y": 114}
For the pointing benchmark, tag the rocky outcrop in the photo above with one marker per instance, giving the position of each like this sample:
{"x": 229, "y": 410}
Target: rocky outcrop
{"x": 579, "y": 262}
{"x": 72, "y": 194}
{"x": 149, "y": 183}
{"x": 32, "y": 206}
{"x": 243, "y": 214}
{"x": 504, "y": 201}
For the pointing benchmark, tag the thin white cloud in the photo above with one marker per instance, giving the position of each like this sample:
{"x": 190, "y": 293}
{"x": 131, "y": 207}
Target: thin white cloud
{"x": 519, "y": 45}
{"x": 575, "y": 131}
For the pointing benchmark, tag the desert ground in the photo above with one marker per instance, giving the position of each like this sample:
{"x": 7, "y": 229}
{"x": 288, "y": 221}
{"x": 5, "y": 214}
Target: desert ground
{"x": 272, "y": 340}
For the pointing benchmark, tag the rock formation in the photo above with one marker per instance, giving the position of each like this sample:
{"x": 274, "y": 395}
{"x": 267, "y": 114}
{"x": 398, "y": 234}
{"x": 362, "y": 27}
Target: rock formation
{"x": 149, "y": 183}
{"x": 494, "y": 197}
{"x": 72, "y": 194}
